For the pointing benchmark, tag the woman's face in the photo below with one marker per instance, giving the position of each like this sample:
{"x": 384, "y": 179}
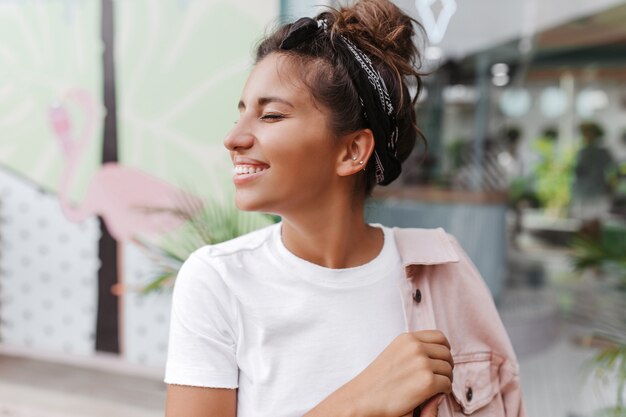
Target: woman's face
{"x": 282, "y": 149}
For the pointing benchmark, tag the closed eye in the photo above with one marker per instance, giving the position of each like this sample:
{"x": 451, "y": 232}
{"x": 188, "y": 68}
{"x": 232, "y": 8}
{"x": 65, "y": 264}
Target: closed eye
{"x": 272, "y": 117}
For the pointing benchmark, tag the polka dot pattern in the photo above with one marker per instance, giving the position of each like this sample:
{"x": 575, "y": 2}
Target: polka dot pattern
{"x": 48, "y": 271}
{"x": 49, "y": 279}
{"x": 146, "y": 317}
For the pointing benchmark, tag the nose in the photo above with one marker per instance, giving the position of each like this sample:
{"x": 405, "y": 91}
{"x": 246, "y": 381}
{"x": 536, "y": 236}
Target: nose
{"x": 238, "y": 137}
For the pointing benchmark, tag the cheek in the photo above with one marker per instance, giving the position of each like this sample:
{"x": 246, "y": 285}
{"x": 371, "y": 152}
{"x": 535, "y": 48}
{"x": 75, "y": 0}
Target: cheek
{"x": 305, "y": 163}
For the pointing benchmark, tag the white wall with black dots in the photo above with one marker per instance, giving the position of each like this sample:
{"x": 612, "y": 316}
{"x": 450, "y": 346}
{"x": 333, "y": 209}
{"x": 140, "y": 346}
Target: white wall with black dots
{"x": 49, "y": 279}
{"x": 48, "y": 272}
{"x": 145, "y": 316}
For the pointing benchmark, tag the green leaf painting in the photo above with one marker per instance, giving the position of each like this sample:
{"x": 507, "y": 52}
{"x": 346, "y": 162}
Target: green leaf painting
{"x": 45, "y": 48}
{"x": 179, "y": 66}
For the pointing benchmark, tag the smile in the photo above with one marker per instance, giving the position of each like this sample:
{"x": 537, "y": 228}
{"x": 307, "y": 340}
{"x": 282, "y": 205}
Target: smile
{"x": 244, "y": 173}
{"x": 248, "y": 169}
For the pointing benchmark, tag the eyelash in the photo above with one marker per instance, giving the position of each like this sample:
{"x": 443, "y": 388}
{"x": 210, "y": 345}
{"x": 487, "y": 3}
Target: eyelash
{"x": 272, "y": 117}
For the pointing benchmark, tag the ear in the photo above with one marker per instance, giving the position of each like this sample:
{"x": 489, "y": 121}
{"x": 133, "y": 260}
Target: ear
{"x": 355, "y": 150}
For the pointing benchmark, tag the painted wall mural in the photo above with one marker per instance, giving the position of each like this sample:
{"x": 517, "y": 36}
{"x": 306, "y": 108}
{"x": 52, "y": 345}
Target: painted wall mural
{"x": 108, "y": 109}
{"x": 115, "y": 192}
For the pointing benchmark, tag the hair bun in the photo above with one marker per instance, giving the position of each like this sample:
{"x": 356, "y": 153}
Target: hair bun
{"x": 380, "y": 28}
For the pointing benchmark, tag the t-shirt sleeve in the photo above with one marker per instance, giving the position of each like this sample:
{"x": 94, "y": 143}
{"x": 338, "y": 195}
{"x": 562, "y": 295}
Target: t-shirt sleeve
{"x": 203, "y": 330}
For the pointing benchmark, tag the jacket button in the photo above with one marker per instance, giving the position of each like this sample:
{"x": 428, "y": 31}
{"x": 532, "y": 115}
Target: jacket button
{"x": 469, "y": 394}
{"x": 417, "y": 296}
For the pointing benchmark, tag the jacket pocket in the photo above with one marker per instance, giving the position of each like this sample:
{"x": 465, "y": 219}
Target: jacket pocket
{"x": 476, "y": 386}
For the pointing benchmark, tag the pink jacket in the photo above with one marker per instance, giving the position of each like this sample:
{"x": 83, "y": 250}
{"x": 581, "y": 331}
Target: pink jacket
{"x": 444, "y": 290}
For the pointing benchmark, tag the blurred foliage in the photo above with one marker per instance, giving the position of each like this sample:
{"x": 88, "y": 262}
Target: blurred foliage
{"x": 607, "y": 252}
{"x": 610, "y": 360}
{"x": 523, "y": 189}
{"x": 455, "y": 154}
{"x": 553, "y": 176}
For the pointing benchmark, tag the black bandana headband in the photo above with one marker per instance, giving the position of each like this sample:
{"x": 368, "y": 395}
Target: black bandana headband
{"x": 373, "y": 94}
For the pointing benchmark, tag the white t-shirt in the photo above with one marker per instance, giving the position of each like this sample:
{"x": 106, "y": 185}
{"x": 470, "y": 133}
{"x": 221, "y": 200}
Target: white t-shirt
{"x": 248, "y": 313}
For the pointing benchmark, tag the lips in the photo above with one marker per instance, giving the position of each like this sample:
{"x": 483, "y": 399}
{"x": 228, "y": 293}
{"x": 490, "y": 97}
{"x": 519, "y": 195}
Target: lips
{"x": 242, "y": 160}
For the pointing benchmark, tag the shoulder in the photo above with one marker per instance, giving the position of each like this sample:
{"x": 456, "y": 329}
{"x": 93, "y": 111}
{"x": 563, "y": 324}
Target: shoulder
{"x": 248, "y": 242}
{"x": 418, "y": 233}
{"x": 205, "y": 265}
{"x": 426, "y": 246}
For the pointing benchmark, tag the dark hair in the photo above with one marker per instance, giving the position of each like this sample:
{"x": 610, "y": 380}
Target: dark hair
{"x": 384, "y": 33}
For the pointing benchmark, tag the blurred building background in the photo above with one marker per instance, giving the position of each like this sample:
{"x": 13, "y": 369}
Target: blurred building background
{"x": 112, "y": 170}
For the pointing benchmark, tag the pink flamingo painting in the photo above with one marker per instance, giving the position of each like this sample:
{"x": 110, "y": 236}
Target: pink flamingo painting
{"x": 120, "y": 195}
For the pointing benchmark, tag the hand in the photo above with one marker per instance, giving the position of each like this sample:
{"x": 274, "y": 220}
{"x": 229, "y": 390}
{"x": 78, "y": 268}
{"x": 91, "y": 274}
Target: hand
{"x": 431, "y": 407}
{"x": 413, "y": 369}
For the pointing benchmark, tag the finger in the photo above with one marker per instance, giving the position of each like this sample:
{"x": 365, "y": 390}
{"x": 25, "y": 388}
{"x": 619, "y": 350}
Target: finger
{"x": 443, "y": 368}
{"x": 442, "y": 385}
{"x": 431, "y": 407}
{"x": 432, "y": 336}
{"x": 436, "y": 351}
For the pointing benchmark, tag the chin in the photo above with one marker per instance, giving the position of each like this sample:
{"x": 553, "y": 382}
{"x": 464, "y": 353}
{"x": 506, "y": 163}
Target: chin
{"x": 247, "y": 202}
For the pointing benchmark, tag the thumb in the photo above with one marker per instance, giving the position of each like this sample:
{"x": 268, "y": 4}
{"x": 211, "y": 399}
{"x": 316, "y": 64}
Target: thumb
{"x": 431, "y": 406}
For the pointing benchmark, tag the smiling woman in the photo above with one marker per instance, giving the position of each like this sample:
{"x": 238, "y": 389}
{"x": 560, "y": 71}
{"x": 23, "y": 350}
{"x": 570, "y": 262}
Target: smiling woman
{"x": 324, "y": 314}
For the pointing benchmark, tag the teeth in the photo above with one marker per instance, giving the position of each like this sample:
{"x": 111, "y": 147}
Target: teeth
{"x": 247, "y": 169}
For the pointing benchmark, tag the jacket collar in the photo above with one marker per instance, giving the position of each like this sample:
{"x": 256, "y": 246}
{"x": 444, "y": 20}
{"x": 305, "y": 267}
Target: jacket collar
{"x": 424, "y": 246}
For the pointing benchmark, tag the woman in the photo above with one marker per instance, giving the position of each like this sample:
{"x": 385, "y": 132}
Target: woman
{"x": 311, "y": 316}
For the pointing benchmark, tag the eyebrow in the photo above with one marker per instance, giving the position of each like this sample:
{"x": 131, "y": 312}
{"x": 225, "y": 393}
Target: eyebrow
{"x": 262, "y": 101}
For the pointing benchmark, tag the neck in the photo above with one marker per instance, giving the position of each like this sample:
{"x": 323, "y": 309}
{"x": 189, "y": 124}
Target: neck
{"x": 333, "y": 235}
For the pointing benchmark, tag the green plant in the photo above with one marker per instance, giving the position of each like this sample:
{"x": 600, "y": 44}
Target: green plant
{"x": 213, "y": 223}
{"x": 611, "y": 359}
{"x": 608, "y": 253}
{"x": 521, "y": 190}
{"x": 454, "y": 153}
{"x": 553, "y": 176}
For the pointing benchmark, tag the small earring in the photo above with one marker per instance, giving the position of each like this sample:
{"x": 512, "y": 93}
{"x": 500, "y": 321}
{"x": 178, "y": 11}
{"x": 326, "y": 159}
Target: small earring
{"x": 361, "y": 162}
{"x": 354, "y": 158}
